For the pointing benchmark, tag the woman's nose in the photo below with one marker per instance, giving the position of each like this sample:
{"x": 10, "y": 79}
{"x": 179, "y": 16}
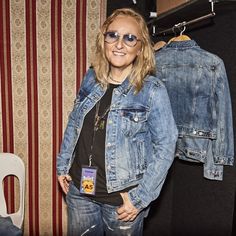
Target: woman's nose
{"x": 120, "y": 43}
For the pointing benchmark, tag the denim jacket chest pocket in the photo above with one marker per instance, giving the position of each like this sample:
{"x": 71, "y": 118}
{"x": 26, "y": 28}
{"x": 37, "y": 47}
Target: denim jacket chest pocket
{"x": 133, "y": 121}
{"x": 133, "y": 125}
{"x": 82, "y": 105}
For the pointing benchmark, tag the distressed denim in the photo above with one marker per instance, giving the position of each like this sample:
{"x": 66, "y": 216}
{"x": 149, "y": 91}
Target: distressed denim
{"x": 140, "y": 136}
{"x": 87, "y": 217}
{"x": 7, "y": 228}
{"x": 198, "y": 88}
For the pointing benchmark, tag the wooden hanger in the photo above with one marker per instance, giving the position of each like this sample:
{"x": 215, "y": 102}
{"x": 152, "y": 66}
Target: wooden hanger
{"x": 158, "y": 45}
{"x": 181, "y": 37}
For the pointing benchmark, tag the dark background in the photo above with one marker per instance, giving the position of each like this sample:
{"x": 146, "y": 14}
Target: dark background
{"x": 190, "y": 205}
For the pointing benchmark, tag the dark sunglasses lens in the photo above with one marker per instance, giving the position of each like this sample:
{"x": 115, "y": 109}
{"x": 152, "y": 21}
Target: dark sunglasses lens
{"x": 130, "y": 39}
{"x": 111, "y": 37}
{"x": 112, "y": 34}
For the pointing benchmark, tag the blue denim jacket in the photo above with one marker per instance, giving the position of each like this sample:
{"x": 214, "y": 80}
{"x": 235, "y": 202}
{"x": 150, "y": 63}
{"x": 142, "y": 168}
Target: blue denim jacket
{"x": 140, "y": 136}
{"x": 197, "y": 85}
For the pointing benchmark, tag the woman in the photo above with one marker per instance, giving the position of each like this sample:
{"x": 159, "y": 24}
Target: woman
{"x": 120, "y": 138}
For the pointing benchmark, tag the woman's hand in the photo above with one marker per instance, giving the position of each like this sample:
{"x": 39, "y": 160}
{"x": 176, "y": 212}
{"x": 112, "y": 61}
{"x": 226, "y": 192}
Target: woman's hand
{"x": 64, "y": 182}
{"x": 127, "y": 212}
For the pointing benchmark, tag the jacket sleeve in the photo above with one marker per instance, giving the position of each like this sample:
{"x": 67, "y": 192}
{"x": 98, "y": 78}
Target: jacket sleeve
{"x": 164, "y": 136}
{"x": 64, "y": 158}
{"x": 223, "y": 145}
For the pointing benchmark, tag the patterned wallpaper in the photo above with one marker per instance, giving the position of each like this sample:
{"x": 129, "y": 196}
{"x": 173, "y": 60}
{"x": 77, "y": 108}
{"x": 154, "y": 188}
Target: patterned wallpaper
{"x": 45, "y": 49}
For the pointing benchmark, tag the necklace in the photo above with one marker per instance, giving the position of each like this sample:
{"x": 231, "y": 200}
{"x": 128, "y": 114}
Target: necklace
{"x": 99, "y": 122}
{"x": 116, "y": 81}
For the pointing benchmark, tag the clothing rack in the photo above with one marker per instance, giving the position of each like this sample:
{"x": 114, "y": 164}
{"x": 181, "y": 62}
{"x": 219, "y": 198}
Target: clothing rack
{"x": 183, "y": 24}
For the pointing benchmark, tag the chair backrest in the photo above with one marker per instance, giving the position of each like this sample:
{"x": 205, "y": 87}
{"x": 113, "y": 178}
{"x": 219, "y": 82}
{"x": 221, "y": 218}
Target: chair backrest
{"x": 11, "y": 164}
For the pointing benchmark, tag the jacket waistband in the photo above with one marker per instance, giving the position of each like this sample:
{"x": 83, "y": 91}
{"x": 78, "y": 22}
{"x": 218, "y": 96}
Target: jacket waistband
{"x": 195, "y": 132}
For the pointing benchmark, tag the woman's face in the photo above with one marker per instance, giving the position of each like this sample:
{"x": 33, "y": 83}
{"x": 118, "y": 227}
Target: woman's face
{"x": 118, "y": 53}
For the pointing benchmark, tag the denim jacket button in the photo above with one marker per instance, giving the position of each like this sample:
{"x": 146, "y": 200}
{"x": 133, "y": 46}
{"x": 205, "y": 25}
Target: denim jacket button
{"x": 136, "y": 119}
{"x": 194, "y": 132}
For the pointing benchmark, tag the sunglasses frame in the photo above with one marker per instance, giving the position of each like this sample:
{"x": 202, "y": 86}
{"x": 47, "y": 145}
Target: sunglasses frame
{"x": 117, "y": 35}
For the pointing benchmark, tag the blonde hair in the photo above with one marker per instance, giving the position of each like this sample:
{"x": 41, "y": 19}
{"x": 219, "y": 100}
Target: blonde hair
{"x": 144, "y": 63}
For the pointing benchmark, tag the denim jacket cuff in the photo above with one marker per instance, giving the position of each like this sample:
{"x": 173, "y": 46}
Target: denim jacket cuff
{"x": 222, "y": 160}
{"x": 135, "y": 199}
{"x": 214, "y": 173}
{"x": 61, "y": 171}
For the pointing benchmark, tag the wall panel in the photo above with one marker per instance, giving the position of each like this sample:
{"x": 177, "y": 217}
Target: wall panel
{"x": 44, "y": 54}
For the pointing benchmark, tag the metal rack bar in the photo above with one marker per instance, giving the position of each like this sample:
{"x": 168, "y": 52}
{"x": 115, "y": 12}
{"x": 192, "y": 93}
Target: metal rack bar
{"x": 186, "y": 23}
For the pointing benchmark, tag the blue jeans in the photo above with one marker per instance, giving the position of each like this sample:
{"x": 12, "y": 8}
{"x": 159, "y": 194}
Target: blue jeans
{"x": 7, "y": 228}
{"x": 87, "y": 217}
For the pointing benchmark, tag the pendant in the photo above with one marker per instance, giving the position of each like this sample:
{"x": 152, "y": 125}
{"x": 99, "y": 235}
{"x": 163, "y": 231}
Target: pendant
{"x": 99, "y": 123}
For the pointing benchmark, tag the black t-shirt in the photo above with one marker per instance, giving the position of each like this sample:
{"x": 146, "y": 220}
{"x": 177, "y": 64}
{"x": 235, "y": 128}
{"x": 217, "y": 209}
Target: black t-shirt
{"x": 83, "y": 150}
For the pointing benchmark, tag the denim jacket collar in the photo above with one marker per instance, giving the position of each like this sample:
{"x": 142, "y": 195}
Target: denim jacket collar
{"x": 125, "y": 86}
{"x": 182, "y": 44}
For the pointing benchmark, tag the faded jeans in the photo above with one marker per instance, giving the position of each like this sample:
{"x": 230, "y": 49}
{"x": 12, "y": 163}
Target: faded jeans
{"x": 87, "y": 217}
{"x": 7, "y": 228}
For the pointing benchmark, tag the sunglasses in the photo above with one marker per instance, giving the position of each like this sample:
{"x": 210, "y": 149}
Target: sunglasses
{"x": 128, "y": 39}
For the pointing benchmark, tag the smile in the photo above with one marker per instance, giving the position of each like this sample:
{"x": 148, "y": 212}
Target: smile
{"x": 119, "y": 53}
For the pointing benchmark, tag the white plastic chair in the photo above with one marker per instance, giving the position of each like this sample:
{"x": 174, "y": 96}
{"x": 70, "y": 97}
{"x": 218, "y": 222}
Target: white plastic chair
{"x": 11, "y": 164}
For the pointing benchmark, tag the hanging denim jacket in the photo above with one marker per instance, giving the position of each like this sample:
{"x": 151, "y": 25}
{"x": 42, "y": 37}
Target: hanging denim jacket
{"x": 197, "y": 85}
{"x": 140, "y": 136}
